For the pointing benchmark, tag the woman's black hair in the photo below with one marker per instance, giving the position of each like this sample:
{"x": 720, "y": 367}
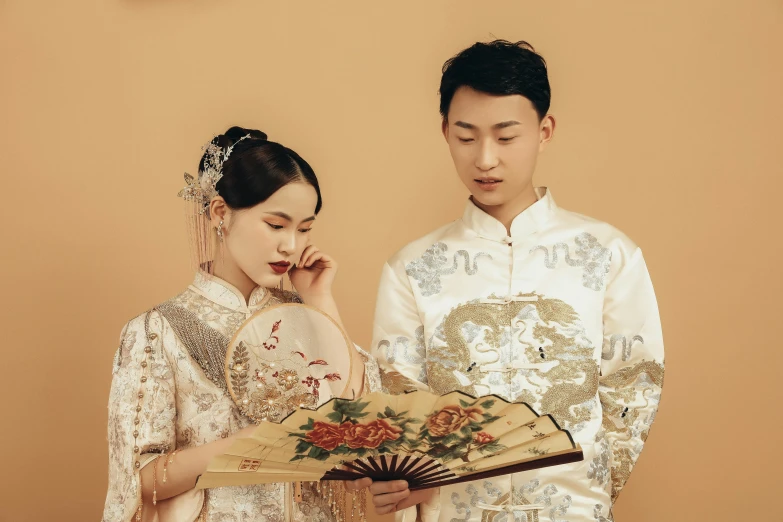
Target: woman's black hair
{"x": 257, "y": 168}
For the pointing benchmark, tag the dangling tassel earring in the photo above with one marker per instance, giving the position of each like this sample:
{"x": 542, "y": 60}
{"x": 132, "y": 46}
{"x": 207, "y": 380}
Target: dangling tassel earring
{"x": 220, "y": 230}
{"x": 221, "y": 237}
{"x": 282, "y": 279}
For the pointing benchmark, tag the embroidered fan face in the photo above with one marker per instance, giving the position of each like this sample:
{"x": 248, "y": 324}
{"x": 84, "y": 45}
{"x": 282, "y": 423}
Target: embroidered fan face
{"x": 494, "y": 142}
{"x": 285, "y": 357}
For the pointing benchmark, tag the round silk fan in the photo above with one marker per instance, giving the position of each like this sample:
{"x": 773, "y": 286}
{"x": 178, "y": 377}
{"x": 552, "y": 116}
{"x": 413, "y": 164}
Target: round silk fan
{"x": 286, "y": 357}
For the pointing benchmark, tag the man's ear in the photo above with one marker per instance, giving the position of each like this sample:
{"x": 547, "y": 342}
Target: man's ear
{"x": 546, "y": 131}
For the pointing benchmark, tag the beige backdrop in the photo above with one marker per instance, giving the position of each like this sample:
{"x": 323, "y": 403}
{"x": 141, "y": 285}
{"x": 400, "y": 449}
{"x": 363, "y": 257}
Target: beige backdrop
{"x": 669, "y": 127}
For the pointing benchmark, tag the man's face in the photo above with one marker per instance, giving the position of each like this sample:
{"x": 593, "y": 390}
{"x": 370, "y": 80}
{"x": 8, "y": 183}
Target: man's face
{"x": 495, "y": 142}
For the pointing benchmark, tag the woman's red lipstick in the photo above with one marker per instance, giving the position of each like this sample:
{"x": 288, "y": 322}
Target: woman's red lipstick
{"x": 281, "y": 267}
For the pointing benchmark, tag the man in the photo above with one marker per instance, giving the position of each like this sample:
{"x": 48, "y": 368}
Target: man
{"x": 521, "y": 299}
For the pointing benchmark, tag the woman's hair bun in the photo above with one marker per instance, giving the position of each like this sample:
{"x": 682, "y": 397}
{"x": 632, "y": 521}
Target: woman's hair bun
{"x": 233, "y": 135}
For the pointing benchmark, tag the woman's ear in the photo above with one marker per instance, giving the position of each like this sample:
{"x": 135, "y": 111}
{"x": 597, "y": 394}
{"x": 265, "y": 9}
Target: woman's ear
{"x": 218, "y": 211}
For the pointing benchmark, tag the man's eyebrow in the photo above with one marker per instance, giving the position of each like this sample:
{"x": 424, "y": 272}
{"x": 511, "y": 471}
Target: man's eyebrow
{"x": 504, "y": 124}
{"x": 501, "y": 125}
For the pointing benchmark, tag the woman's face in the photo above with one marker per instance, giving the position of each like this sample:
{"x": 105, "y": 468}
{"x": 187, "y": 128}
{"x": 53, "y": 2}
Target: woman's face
{"x": 266, "y": 240}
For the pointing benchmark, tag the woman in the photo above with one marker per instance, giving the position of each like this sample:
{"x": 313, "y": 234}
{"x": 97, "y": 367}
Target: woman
{"x": 251, "y": 212}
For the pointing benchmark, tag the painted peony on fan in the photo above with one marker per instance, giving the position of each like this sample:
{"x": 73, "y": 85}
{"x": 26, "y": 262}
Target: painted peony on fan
{"x": 423, "y": 438}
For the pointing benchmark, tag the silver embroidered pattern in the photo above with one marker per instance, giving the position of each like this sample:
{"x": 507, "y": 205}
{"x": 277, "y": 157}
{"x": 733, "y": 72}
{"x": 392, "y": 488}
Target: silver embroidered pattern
{"x": 609, "y": 346}
{"x": 206, "y": 345}
{"x": 545, "y": 497}
{"x": 401, "y": 349}
{"x": 562, "y": 509}
{"x": 518, "y": 497}
{"x": 599, "y": 467}
{"x": 589, "y": 254}
{"x": 460, "y": 507}
{"x": 597, "y": 510}
{"x": 434, "y": 264}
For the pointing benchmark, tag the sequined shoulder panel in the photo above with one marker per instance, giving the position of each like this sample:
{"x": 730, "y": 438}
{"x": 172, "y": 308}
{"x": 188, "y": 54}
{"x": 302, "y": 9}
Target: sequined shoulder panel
{"x": 284, "y": 296}
{"x": 205, "y": 345}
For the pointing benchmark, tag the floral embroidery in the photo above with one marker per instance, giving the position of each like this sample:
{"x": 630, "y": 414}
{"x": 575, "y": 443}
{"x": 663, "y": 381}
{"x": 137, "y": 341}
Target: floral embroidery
{"x": 204, "y": 401}
{"x": 262, "y": 398}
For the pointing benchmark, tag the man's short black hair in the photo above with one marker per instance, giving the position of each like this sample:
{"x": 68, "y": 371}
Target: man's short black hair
{"x": 501, "y": 68}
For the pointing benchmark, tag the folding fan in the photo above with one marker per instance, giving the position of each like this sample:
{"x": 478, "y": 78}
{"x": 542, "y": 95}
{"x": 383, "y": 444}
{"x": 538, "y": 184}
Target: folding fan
{"x": 426, "y": 439}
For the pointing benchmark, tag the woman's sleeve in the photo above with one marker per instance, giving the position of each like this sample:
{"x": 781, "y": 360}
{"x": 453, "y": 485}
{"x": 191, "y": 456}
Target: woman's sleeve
{"x": 142, "y": 412}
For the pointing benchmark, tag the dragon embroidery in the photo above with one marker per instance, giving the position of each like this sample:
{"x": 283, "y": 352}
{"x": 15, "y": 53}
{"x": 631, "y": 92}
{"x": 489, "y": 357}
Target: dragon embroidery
{"x": 562, "y": 386}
